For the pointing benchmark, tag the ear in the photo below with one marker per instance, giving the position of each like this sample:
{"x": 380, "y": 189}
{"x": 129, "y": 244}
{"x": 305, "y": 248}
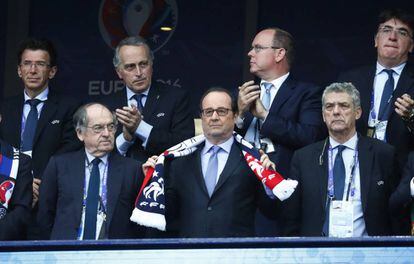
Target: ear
{"x": 52, "y": 72}
{"x": 19, "y": 71}
{"x": 376, "y": 40}
{"x": 280, "y": 54}
{"x": 80, "y": 135}
{"x": 358, "y": 113}
{"x": 118, "y": 71}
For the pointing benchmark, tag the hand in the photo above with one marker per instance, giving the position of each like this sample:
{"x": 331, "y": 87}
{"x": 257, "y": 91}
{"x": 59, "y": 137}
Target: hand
{"x": 266, "y": 162}
{"x": 404, "y": 106}
{"x": 129, "y": 117}
{"x": 248, "y": 93}
{"x": 36, "y": 187}
{"x": 258, "y": 110}
{"x": 150, "y": 163}
{"x": 127, "y": 135}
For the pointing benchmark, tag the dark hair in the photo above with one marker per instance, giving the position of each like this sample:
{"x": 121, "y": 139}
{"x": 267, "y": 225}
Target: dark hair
{"x": 37, "y": 44}
{"x": 234, "y": 107}
{"x": 399, "y": 14}
{"x": 284, "y": 39}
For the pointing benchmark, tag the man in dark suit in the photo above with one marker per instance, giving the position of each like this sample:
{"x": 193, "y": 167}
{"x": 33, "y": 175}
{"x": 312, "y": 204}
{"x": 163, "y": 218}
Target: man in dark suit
{"x": 15, "y": 192}
{"x": 347, "y": 178}
{"x": 212, "y": 192}
{"x": 39, "y": 120}
{"x": 387, "y": 114}
{"x": 153, "y": 117}
{"x": 281, "y": 114}
{"x": 90, "y": 193}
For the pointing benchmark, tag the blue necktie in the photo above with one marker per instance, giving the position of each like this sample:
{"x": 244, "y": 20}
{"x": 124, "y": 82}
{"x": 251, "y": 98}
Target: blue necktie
{"x": 384, "y": 109}
{"x": 92, "y": 200}
{"x": 138, "y": 98}
{"x": 212, "y": 169}
{"x": 339, "y": 174}
{"x": 30, "y": 125}
{"x": 266, "y": 95}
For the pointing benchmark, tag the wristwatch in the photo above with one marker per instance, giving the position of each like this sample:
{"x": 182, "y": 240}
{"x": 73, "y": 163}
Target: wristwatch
{"x": 410, "y": 118}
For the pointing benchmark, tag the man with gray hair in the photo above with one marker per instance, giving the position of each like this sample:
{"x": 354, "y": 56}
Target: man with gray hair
{"x": 154, "y": 117}
{"x": 90, "y": 193}
{"x": 345, "y": 181}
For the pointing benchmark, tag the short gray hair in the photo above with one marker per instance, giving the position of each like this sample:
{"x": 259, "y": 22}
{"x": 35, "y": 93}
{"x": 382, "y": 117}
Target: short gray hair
{"x": 131, "y": 41}
{"x": 345, "y": 87}
{"x": 80, "y": 117}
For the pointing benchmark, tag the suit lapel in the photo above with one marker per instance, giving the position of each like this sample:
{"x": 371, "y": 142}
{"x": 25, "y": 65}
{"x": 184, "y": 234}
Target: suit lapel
{"x": 198, "y": 170}
{"x": 48, "y": 110}
{"x": 234, "y": 160}
{"x": 285, "y": 91}
{"x": 152, "y": 100}
{"x": 365, "y": 91}
{"x": 114, "y": 183}
{"x": 322, "y": 170}
{"x": 16, "y": 120}
{"x": 405, "y": 81}
{"x": 366, "y": 161}
{"x": 78, "y": 166}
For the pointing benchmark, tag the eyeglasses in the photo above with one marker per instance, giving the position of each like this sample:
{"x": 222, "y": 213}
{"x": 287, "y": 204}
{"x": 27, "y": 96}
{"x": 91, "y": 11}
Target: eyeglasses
{"x": 258, "y": 48}
{"x": 210, "y": 111}
{"x": 400, "y": 32}
{"x": 37, "y": 64}
{"x": 132, "y": 66}
{"x": 100, "y": 128}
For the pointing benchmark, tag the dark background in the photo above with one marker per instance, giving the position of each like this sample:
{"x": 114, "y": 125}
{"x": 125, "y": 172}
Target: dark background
{"x": 208, "y": 46}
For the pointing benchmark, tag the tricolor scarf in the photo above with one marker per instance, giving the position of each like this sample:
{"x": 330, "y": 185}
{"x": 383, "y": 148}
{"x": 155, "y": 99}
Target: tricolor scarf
{"x": 8, "y": 174}
{"x": 150, "y": 203}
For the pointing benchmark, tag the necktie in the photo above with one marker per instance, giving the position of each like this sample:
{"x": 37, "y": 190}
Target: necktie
{"x": 384, "y": 110}
{"x": 30, "y": 125}
{"x": 212, "y": 169}
{"x": 138, "y": 98}
{"x": 266, "y": 95}
{"x": 339, "y": 174}
{"x": 92, "y": 200}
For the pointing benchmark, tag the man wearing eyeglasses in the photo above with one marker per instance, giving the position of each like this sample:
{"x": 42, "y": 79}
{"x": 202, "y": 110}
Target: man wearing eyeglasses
{"x": 90, "y": 193}
{"x": 39, "y": 120}
{"x": 154, "y": 117}
{"x": 278, "y": 114}
{"x": 387, "y": 88}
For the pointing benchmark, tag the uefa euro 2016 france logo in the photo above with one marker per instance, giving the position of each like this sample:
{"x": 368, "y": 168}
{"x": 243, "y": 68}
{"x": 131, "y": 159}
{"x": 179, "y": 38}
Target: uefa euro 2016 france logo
{"x": 153, "y": 20}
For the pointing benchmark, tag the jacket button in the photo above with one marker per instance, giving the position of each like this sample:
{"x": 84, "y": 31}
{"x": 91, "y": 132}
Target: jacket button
{"x": 209, "y": 208}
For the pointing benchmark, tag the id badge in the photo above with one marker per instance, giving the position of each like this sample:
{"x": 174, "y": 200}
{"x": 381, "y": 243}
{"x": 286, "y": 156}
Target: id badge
{"x": 341, "y": 219}
{"x": 100, "y": 221}
{"x": 381, "y": 126}
{"x": 269, "y": 145}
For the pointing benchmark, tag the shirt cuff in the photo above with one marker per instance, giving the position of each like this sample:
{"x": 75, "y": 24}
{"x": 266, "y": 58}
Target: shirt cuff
{"x": 122, "y": 144}
{"x": 412, "y": 187}
{"x": 143, "y": 131}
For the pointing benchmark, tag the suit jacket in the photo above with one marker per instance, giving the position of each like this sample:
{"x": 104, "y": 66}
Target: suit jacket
{"x": 401, "y": 200}
{"x": 167, "y": 109}
{"x": 304, "y": 212}
{"x": 62, "y": 189}
{"x": 13, "y": 225}
{"x": 294, "y": 121}
{"x": 231, "y": 209}
{"x": 397, "y": 133}
{"x": 55, "y": 132}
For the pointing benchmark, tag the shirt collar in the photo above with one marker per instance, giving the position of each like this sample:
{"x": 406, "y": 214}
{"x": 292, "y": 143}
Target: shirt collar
{"x": 397, "y": 69}
{"x": 351, "y": 143}
{"x": 90, "y": 158}
{"x": 276, "y": 82}
{"x": 42, "y": 96}
{"x": 226, "y": 146}
{"x": 131, "y": 93}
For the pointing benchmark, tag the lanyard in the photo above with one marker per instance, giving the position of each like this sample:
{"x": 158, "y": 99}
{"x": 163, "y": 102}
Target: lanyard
{"x": 351, "y": 178}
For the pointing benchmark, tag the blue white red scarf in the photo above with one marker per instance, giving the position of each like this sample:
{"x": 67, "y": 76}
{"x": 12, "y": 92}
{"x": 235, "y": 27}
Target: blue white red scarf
{"x": 8, "y": 174}
{"x": 150, "y": 203}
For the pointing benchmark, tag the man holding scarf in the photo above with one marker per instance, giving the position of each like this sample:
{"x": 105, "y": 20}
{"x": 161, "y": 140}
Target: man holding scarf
{"x": 212, "y": 189}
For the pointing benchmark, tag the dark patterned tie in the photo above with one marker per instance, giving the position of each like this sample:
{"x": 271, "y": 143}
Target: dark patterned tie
{"x": 138, "y": 98}
{"x": 92, "y": 201}
{"x": 384, "y": 109}
{"x": 30, "y": 125}
{"x": 339, "y": 174}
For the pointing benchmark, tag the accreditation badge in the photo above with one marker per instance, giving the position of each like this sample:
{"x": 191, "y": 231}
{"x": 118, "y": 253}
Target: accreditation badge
{"x": 381, "y": 126}
{"x": 341, "y": 219}
{"x": 371, "y": 131}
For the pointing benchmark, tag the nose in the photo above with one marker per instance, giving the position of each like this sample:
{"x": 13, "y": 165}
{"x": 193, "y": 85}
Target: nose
{"x": 336, "y": 109}
{"x": 215, "y": 115}
{"x": 250, "y": 53}
{"x": 393, "y": 35}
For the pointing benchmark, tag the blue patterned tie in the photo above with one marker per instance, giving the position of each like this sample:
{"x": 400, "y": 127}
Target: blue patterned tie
{"x": 92, "y": 201}
{"x": 212, "y": 169}
{"x": 339, "y": 174}
{"x": 138, "y": 98}
{"x": 384, "y": 109}
{"x": 30, "y": 125}
{"x": 266, "y": 95}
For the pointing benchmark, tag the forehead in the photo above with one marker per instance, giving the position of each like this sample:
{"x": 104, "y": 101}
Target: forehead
{"x": 35, "y": 55}
{"x": 98, "y": 114}
{"x": 265, "y": 36}
{"x": 216, "y": 99}
{"x": 133, "y": 54}
{"x": 396, "y": 23}
{"x": 335, "y": 97}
